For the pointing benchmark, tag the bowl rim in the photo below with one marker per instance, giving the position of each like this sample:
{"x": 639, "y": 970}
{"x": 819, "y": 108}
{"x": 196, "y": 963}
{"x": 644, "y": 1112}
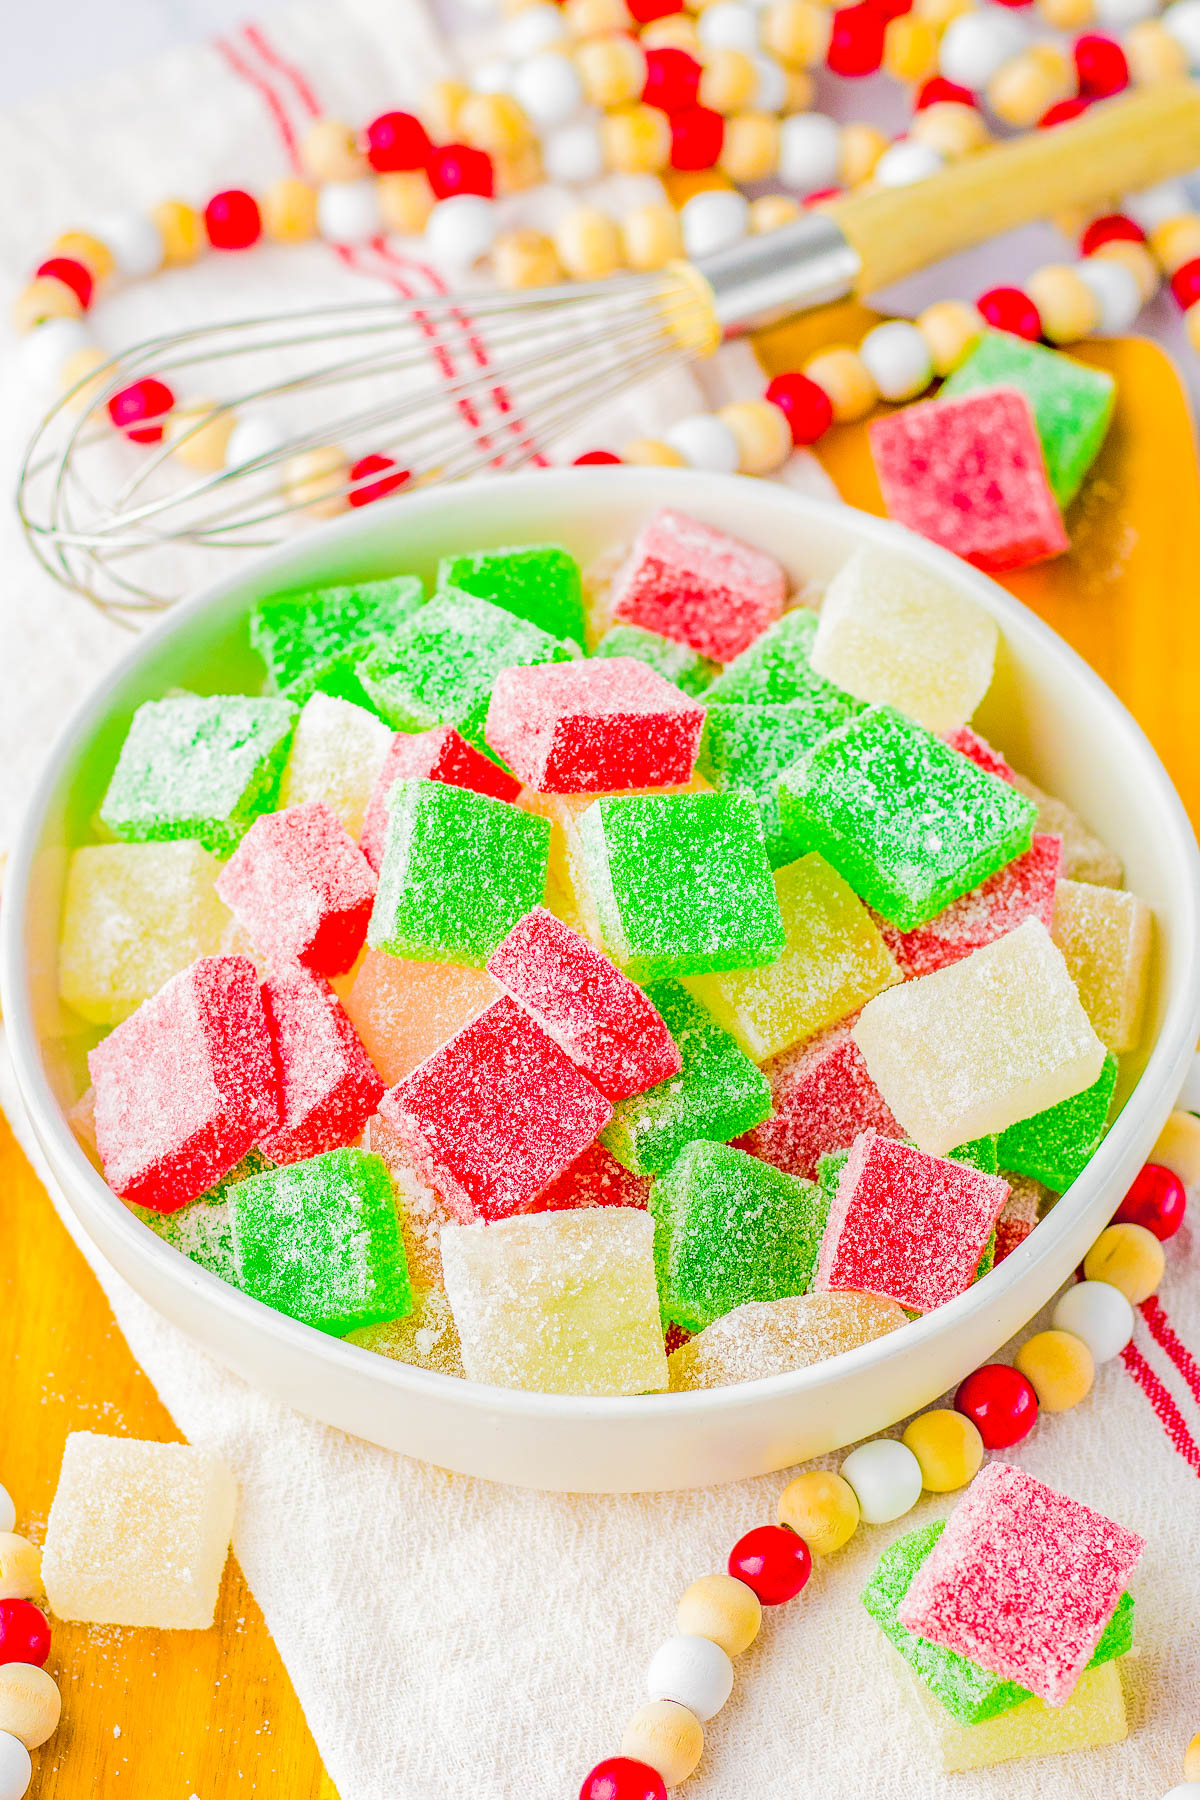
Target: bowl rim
{"x": 89, "y": 1194}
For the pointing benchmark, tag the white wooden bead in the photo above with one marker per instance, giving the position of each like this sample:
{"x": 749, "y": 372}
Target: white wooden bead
{"x": 906, "y": 162}
{"x": 898, "y": 359}
{"x": 493, "y": 77}
{"x": 729, "y": 26}
{"x": 976, "y": 44}
{"x": 692, "y": 1671}
{"x": 771, "y": 89}
{"x": 461, "y": 230}
{"x": 1186, "y": 1790}
{"x": 135, "y": 241}
{"x": 548, "y": 87}
{"x": 46, "y": 349}
{"x": 253, "y": 436}
{"x": 1117, "y": 293}
{"x": 574, "y": 154}
{"x": 810, "y": 151}
{"x": 713, "y": 220}
{"x": 1099, "y": 1314}
{"x": 1183, "y": 22}
{"x": 886, "y": 1478}
{"x": 1118, "y": 15}
{"x": 8, "y": 1512}
{"x": 1154, "y": 206}
{"x": 534, "y": 28}
{"x": 348, "y": 211}
{"x": 16, "y": 1770}
{"x": 704, "y": 442}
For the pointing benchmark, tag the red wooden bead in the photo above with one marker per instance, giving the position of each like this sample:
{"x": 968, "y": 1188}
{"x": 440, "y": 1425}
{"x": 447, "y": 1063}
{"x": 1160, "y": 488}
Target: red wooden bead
{"x": 232, "y": 220}
{"x": 697, "y": 134}
{"x": 1100, "y": 65}
{"x": 773, "y": 1562}
{"x": 24, "y": 1633}
{"x": 391, "y": 475}
{"x": 856, "y": 39}
{"x": 1000, "y": 1403}
{"x": 1015, "y": 3}
{"x": 72, "y": 274}
{"x": 806, "y": 406}
{"x": 620, "y": 1778}
{"x": 892, "y": 9}
{"x": 820, "y": 194}
{"x": 937, "y": 89}
{"x": 1158, "y": 1199}
{"x": 1009, "y": 309}
{"x": 646, "y": 11}
{"x": 458, "y": 169}
{"x": 672, "y": 79}
{"x": 1108, "y": 229}
{"x": 397, "y": 140}
{"x": 1063, "y": 111}
{"x": 148, "y": 399}
{"x": 1185, "y": 283}
{"x": 591, "y": 457}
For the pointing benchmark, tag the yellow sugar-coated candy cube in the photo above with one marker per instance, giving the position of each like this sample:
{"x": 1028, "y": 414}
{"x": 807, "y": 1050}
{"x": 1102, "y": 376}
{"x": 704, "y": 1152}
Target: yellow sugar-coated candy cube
{"x": 558, "y": 1302}
{"x": 1104, "y": 935}
{"x": 421, "y": 1208}
{"x": 404, "y": 1011}
{"x": 337, "y": 752}
{"x": 1085, "y": 858}
{"x": 771, "y": 1337}
{"x": 973, "y": 1048}
{"x": 135, "y": 915}
{"x": 1092, "y": 1717}
{"x": 426, "y": 1338}
{"x": 834, "y": 959}
{"x": 1177, "y": 1147}
{"x": 890, "y": 633}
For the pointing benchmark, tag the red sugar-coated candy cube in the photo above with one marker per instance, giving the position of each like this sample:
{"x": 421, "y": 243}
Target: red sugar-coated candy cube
{"x": 495, "y": 1115}
{"x": 328, "y": 1086}
{"x": 968, "y": 743}
{"x": 1023, "y": 1580}
{"x": 594, "y": 1179}
{"x": 302, "y": 888}
{"x": 969, "y": 473}
{"x": 695, "y": 584}
{"x": 1022, "y": 889}
{"x": 594, "y": 727}
{"x": 1019, "y": 1216}
{"x": 907, "y": 1226}
{"x": 437, "y": 755}
{"x": 186, "y": 1085}
{"x": 821, "y": 1098}
{"x": 604, "y": 1022}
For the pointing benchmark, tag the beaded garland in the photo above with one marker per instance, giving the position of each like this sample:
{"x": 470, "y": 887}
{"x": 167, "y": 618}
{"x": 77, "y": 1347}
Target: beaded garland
{"x": 30, "y": 1705}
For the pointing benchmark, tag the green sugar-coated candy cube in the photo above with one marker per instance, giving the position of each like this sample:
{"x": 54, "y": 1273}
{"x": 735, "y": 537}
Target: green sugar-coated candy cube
{"x": 729, "y": 1229}
{"x": 203, "y": 1230}
{"x": 906, "y": 820}
{"x": 717, "y": 1094}
{"x": 441, "y": 668}
{"x": 676, "y": 662}
{"x": 459, "y": 869}
{"x": 681, "y": 882}
{"x": 198, "y": 767}
{"x": 313, "y": 640}
{"x": 967, "y": 1691}
{"x": 776, "y": 669}
{"x": 320, "y": 1240}
{"x": 981, "y": 1153}
{"x": 1055, "y": 1146}
{"x": 746, "y": 748}
{"x": 539, "y": 582}
{"x": 1072, "y": 404}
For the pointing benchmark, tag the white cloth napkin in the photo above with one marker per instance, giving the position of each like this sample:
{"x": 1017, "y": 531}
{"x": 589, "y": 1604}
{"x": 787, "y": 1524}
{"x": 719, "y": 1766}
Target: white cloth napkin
{"x": 448, "y": 1637}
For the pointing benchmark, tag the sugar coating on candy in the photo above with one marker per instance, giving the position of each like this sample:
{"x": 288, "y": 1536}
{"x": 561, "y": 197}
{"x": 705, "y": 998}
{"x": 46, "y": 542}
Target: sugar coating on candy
{"x": 1055, "y": 1146}
{"x": 681, "y": 883}
{"x": 420, "y": 1208}
{"x": 138, "y": 1533}
{"x": 729, "y": 1229}
{"x": 822, "y": 1097}
{"x": 313, "y": 642}
{"x": 833, "y": 960}
{"x": 718, "y": 1093}
{"x": 604, "y": 1022}
{"x": 746, "y": 749}
{"x": 1092, "y": 1717}
{"x": 1022, "y": 1209}
{"x": 595, "y": 1178}
{"x": 495, "y": 1115}
{"x": 1085, "y": 858}
{"x": 908, "y": 822}
{"x": 976, "y": 749}
{"x": 194, "y": 767}
{"x": 1023, "y": 1580}
{"x": 302, "y": 888}
{"x": 699, "y": 585}
{"x": 969, "y": 474}
{"x": 403, "y": 1011}
{"x": 537, "y": 582}
{"x": 891, "y": 633}
{"x": 689, "y": 672}
{"x": 907, "y": 1226}
{"x": 559, "y": 1302}
{"x": 1072, "y": 404}
{"x": 977, "y": 1046}
{"x": 459, "y": 869}
{"x": 593, "y": 727}
{"x": 320, "y": 1241}
{"x": 203, "y": 1229}
{"x": 1104, "y": 935}
{"x": 438, "y": 755}
{"x": 134, "y": 915}
{"x": 328, "y": 1086}
{"x": 776, "y": 670}
{"x": 426, "y": 1338}
{"x": 186, "y": 1085}
{"x": 773, "y": 1337}
{"x": 337, "y": 752}
{"x": 1023, "y": 889}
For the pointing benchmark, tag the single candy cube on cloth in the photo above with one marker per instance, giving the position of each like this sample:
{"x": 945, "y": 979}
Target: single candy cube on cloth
{"x": 495, "y": 1115}
{"x": 969, "y": 474}
{"x": 1104, "y": 935}
{"x": 1092, "y": 1717}
{"x": 337, "y": 752}
{"x": 1022, "y": 1210}
{"x": 302, "y": 888}
{"x": 134, "y": 915}
{"x": 893, "y": 634}
{"x": 822, "y": 1097}
{"x": 1023, "y": 1580}
{"x": 746, "y": 749}
{"x": 1055, "y": 1146}
{"x": 313, "y": 641}
{"x": 907, "y": 821}
{"x": 438, "y": 755}
{"x": 776, "y": 670}
{"x": 540, "y": 583}
{"x": 1085, "y": 858}
{"x": 593, "y": 727}
{"x": 328, "y": 1086}
{"x": 186, "y": 1085}
{"x": 595, "y": 1178}
{"x": 426, "y": 1338}
{"x": 699, "y": 585}
{"x": 675, "y": 662}
{"x": 773, "y": 1337}
{"x": 978, "y": 1046}
{"x": 138, "y": 1533}
{"x": 198, "y": 767}
{"x": 203, "y": 1229}
{"x": 404, "y": 1011}
{"x": 1023, "y": 889}
{"x": 560, "y": 1303}
{"x": 320, "y": 1241}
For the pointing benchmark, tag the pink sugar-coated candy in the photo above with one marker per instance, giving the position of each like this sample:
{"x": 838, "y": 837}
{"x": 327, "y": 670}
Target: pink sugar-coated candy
{"x": 438, "y": 755}
{"x": 906, "y": 1226}
{"x": 594, "y": 1179}
{"x": 404, "y": 1011}
{"x": 968, "y": 743}
{"x": 969, "y": 474}
{"x": 186, "y": 1085}
{"x": 328, "y": 1086}
{"x": 697, "y": 585}
{"x": 1023, "y": 1580}
{"x": 821, "y": 1098}
{"x": 495, "y": 1115}
{"x": 1023, "y": 889}
{"x": 1019, "y": 1215}
{"x": 301, "y": 887}
{"x": 594, "y": 727}
{"x": 603, "y": 1021}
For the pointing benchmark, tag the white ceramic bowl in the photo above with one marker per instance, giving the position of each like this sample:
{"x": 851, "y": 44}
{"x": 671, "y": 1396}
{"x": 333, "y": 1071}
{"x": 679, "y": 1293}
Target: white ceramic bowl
{"x": 1047, "y": 711}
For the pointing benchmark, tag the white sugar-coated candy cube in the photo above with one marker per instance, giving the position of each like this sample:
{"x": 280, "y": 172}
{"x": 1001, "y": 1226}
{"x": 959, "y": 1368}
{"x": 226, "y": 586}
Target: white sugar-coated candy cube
{"x": 894, "y": 634}
{"x": 1104, "y": 934}
{"x": 975, "y": 1047}
{"x": 138, "y": 1533}
{"x": 336, "y": 754}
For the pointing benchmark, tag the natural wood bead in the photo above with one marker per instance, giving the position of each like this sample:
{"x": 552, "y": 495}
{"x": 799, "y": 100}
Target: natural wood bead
{"x": 1153, "y": 54}
{"x": 676, "y": 32}
{"x": 1067, "y": 15}
{"x": 1191, "y": 321}
{"x": 862, "y": 145}
{"x": 1191, "y": 1759}
{"x": 525, "y": 259}
{"x": 30, "y": 1703}
{"x": 405, "y": 201}
{"x": 440, "y": 109}
{"x": 1069, "y": 308}
{"x": 762, "y": 434}
{"x": 681, "y": 184}
{"x": 1020, "y": 92}
{"x": 181, "y": 229}
{"x": 1176, "y": 242}
{"x": 587, "y": 18}
{"x": 612, "y": 69}
{"x": 951, "y": 328}
{"x": 666, "y": 1736}
{"x": 77, "y": 369}
{"x": 1128, "y": 1257}
{"x": 516, "y": 171}
{"x": 950, "y": 128}
{"x": 948, "y": 1447}
{"x": 1177, "y": 1146}
{"x": 770, "y": 211}
{"x": 636, "y": 139}
{"x": 20, "y": 1569}
{"x": 82, "y": 247}
{"x": 44, "y": 299}
{"x": 329, "y": 152}
{"x": 800, "y": 91}
{"x": 652, "y": 453}
{"x": 797, "y": 32}
{"x": 588, "y": 244}
{"x": 910, "y": 48}
{"x": 1059, "y": 1365}
{"x": 315, "y": 480}
{"x": 845, "y": 377}
{"x": 204, "y": 450}
{"x": 727, "y": 81}
{"x": 722, "y": 1609}
{"x": 750, "y": 149}
{"x": 651, "y": 236}
{"x": 821, "y": 1507}
{"x": 493, "y": 122}
{"x": 1138, "y": 260}
{"x": 289, "y": 210}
